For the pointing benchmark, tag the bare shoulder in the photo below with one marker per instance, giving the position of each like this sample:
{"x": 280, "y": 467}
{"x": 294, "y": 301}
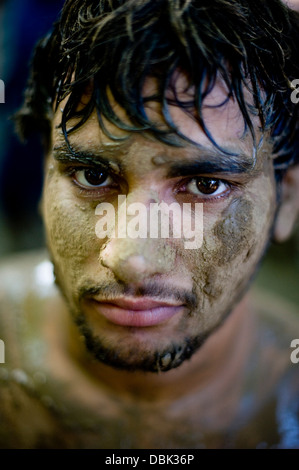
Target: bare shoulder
{"x": 278, "y": 315}
{"x": 278, "y": 333}
{"x": 273, "y": 371}
{"x": 25, "y": 273}
{"x": 26, "y": 285}
{"x": 27, "y": 293}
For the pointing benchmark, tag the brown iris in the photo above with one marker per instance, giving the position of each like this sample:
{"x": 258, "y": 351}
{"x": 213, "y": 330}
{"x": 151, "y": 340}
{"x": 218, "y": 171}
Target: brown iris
{"x": 95, "y": 177}
{"x": 207, "y": 185}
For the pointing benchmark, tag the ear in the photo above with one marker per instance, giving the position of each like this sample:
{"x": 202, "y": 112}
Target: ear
{"x": 288, "y": 210}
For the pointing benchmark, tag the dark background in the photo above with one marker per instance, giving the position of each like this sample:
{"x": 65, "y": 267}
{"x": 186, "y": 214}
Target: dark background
{"x": 22, "y": 23}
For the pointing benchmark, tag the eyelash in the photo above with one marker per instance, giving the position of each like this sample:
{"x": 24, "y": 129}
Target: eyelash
{"x": 180, "y": 187}
{"x": 70, "y": 172}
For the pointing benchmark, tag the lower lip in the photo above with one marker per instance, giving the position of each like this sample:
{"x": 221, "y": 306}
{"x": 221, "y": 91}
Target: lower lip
{"x": 137, "y": 318}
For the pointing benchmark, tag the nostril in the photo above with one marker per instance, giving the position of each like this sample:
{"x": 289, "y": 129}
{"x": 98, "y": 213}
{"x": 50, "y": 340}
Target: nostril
{"x": 105, "y": 255}
{"x": 103, "y": 261}
{"x": 153, "y": 201}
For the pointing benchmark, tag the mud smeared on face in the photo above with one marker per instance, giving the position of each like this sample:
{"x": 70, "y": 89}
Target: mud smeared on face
{"x": 209, "y": 280}
{"x": 211, "y": 288}
{"x": 235, "y": 230}
{"x": 69, "y": 228}
{"x": 135, "y": 262}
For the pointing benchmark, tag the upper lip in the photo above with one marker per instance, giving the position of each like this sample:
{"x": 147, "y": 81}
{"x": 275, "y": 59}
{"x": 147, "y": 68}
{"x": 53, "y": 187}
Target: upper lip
{"x": 137, "y": 304}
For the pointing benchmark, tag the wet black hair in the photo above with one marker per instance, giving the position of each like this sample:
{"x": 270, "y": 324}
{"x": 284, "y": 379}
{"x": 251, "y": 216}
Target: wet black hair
{"x": 114, "y": 45}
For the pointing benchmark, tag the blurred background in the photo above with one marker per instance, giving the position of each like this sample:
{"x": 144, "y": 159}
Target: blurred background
{"x": 22, "y": 23}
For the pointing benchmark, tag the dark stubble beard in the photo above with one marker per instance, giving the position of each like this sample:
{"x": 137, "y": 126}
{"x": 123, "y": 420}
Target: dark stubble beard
{"x": 131, "y": 359}
{"x": 150, "y": 360}
{"x": 154, "y": 360}
{"x": 162, "y": 360}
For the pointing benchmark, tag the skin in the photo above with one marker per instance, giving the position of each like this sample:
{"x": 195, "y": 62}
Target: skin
{"x": 294, "y": 4}
{"x": 195, "y": 380}
{"x": 237, "y": 222}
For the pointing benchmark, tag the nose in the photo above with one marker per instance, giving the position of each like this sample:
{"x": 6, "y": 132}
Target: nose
{"x": 134, "y": 260}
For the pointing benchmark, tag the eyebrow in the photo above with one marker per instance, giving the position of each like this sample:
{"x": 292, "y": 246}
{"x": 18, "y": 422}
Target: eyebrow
{"x": 101, "y": 158}
{"x": 210, "y": 163}
{"x": 206, "y": 162}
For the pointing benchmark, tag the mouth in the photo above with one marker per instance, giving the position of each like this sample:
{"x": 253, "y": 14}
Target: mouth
{"x": 141, "y": 312}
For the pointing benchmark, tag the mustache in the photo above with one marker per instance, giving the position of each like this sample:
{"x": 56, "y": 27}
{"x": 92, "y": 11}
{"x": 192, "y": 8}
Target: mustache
{"x": 109, "y": 291}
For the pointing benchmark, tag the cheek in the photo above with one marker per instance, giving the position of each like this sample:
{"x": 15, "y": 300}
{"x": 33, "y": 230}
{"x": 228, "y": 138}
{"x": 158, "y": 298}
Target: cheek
{"x": 234, "y": 231}
{"x": 70, "y": 230}
{"x": 232, "y": 248}
{"x": 244, "y": 227}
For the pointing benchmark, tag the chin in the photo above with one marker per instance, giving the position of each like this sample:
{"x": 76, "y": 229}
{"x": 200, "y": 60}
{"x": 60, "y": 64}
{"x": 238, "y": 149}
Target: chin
{"x": 140, "y": 357}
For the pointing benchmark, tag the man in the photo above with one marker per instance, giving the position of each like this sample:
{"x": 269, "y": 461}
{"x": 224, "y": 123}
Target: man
{"x": 153, "y": 344}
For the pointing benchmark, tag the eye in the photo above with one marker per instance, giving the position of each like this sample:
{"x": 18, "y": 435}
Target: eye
{"x": 202, "y": 186}
{"x": 92, "y": 178}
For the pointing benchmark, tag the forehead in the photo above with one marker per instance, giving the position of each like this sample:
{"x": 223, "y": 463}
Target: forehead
{"x": 221, "y": 115}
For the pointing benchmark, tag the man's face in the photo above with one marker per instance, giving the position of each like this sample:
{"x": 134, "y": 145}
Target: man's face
{"x": 148, "y": 303}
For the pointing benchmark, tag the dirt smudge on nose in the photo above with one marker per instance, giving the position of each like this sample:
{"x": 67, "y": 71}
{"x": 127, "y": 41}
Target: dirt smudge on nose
{"x": 234, "y": 230}
{"x": 156, "y": 255}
